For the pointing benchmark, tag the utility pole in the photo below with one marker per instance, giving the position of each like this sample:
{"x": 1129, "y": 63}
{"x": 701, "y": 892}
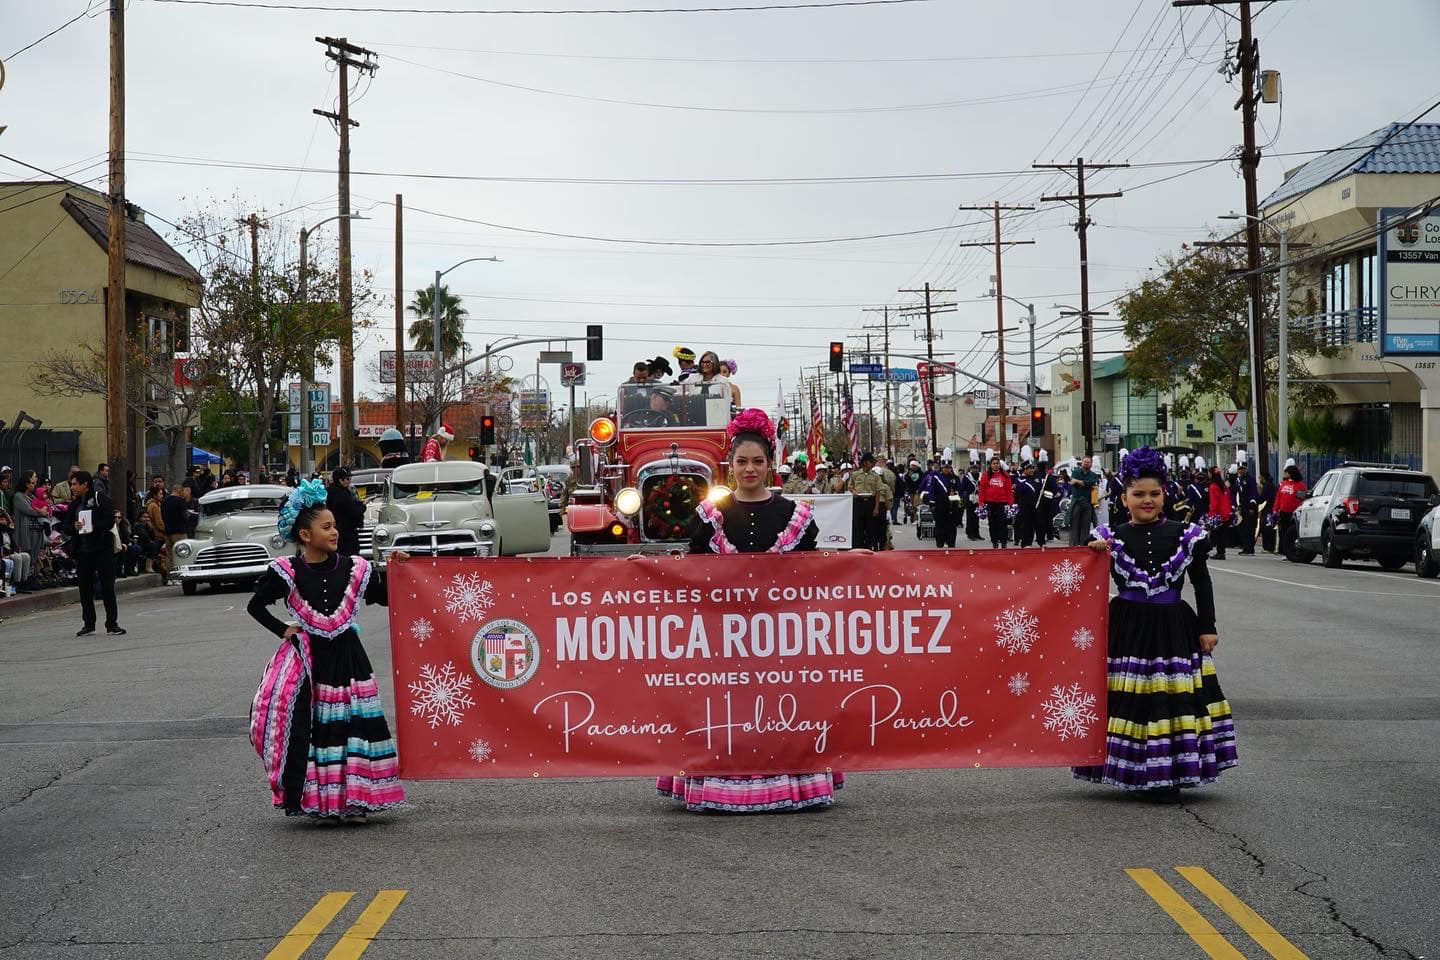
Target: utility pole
{"x": 885, "y": 326}
{"x": 117, "y": 413}
{"x": 400, "y": 314}
{"x": 1004, "y": 401}
{"x": 869, "y": 391}
{"x": 930, "y": 310}
{"x": 1247, "y": 56}
{"x": 344, "y": 54}
{"x": 1087, "y": 336}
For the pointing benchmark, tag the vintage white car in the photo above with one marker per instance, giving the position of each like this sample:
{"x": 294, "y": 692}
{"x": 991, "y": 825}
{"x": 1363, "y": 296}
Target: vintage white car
{"x": 458, "y": 508}
{"x": 235, "y": 537}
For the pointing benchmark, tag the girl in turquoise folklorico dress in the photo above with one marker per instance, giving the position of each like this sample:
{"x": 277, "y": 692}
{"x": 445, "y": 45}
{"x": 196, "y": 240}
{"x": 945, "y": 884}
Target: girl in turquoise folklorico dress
{"x": 753, "y": 520}
{"x": 1169, "y": 723}
{"x": 316, "y": 719}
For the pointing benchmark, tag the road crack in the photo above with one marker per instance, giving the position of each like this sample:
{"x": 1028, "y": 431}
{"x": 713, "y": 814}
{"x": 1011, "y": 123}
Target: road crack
{"x": 1240, "y": 844}
{"x": 48, "y": 784}
{"x": 1332, "y": 907}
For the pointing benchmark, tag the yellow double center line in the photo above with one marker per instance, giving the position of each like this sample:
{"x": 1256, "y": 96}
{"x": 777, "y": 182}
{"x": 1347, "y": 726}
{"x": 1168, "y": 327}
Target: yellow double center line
{"x": 353, "y": 942}
{"x": 1204, "y": 934}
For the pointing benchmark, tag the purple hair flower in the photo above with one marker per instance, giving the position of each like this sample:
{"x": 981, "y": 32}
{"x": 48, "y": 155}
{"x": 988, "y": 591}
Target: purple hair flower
{"x": 1144, "y": 462}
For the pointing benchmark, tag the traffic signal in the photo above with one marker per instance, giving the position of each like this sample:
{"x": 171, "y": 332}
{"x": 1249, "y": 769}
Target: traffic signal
{"x": 1037, "y": 421}
{"x": 837, "y": 356}
{"x": 487, "y": 431}
{"x": 1162, "y": 419}
{"x": 475, "y": 454}
{"x": 594, "y": 342}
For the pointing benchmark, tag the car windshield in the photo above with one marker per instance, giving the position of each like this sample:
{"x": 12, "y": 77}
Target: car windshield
{"x": 220, "y": 508}
{"x": 425, "y": 491}
{"x": 660, "y": 406}
{"x": 1395, "y": 485}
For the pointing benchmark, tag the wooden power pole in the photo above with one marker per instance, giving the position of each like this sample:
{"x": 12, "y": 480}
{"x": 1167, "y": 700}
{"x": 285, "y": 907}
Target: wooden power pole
{"x": 400, "y": 314}
{"x": 345, "y": 55}
{"x": 885, "y": 326}
{"x": 930, "y": 337}
{"x": 1087, "y": 337}
{"x": 1002, "y": 396}
{"x": 117, "y": 411}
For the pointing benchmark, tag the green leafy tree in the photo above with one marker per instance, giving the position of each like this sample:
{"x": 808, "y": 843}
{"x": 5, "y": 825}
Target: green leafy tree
{"x": 1188, "y": 323}
{"x": 452, "y": 322}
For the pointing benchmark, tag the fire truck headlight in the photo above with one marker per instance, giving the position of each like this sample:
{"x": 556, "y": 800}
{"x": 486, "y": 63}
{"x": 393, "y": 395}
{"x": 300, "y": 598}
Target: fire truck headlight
{"x": 717, "y": 493}
{"x": 627, "y": 501}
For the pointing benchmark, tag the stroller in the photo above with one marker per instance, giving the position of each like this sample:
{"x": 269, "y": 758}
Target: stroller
{"x": 925, "y": 524}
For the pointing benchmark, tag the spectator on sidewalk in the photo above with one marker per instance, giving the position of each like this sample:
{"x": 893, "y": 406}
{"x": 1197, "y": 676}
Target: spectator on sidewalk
{"x": 15, "y": 564}
{"x": 348, "y": 511}
{"x": 151, "y": 544}
{"x": 7, "y": 492}
{"x": 60, "y": 492}
{"x": 175, "y": 522}
{"x": 92, "y": 517}
{"x": 29, "y": 523}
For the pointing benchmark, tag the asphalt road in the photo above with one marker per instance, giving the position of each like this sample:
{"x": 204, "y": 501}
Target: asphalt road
{"x": 134, "y": 820}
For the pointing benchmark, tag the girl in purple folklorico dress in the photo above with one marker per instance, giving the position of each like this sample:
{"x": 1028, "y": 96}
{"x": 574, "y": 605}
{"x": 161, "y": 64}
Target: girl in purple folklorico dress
{"x": 316, "y": 720}
{"x": 753, "y": 520}
{"x": 1169, "y": 723}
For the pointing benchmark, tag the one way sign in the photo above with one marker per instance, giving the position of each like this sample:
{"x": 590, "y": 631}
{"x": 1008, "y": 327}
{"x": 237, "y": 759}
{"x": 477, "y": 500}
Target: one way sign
{"x": 1230, "y": 426}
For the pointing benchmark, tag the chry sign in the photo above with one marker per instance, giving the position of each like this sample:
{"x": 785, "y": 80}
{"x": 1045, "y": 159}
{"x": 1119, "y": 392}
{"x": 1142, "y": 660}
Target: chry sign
{"x": 748, "y": 664}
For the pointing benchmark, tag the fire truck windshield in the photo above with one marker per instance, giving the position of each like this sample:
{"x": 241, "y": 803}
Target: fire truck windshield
{"x": 662, "y": 406}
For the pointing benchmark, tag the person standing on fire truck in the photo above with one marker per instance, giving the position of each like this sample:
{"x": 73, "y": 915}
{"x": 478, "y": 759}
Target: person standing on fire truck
{"x": 435, "y": 447}
{"x": 753, "y": 520}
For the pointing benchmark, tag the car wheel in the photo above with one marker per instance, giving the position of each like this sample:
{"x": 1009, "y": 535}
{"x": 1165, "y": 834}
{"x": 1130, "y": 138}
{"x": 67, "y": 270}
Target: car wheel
{"x": 1426, "y": 564}
{"x": 1329, "y": 554}
{"x": 188, "y": 587}
{"x": 1392, "y": 563}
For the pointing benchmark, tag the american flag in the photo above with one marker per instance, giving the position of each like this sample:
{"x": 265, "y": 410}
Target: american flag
{"x": 847, "y": 420}
{"x": 815, "y": 440}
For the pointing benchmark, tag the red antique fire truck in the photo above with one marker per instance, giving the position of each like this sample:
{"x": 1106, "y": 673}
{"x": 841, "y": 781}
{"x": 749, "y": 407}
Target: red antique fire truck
{"x": 643, "y": 471}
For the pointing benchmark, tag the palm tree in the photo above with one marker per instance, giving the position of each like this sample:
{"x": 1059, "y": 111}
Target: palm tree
{"x": 452, "y": 322}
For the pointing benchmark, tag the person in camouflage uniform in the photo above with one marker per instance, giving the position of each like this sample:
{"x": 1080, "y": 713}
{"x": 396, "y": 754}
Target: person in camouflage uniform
{"x": 872, "y": 500}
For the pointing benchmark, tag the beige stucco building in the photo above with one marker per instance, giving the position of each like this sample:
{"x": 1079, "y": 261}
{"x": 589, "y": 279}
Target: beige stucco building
{"x": 53, "y": 238}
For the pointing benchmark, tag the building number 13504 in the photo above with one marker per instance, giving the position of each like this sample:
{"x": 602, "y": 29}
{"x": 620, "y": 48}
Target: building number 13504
{"x": 79, "y": 296}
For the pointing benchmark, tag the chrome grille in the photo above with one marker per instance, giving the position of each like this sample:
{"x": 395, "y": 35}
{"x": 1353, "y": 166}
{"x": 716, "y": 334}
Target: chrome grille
{"x": 367, "y": 540}
{"x": 440, "y": 541}
{"x": 219, "y": 556}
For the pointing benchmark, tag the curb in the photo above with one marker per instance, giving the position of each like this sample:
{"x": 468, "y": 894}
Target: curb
{"x": 22, "y": 605}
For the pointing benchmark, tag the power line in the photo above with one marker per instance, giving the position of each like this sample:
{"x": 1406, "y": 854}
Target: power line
{"x": 35, "y": 43}
{"x": 341, "y": 8}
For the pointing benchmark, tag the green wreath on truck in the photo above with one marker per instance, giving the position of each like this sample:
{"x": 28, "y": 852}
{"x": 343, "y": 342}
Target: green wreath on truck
{"x": 670, "y": 504}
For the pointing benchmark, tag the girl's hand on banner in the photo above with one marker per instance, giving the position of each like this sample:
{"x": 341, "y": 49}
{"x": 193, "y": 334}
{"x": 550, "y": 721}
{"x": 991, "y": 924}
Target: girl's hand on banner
{"x": 1100, "y": 546}
{"x": 400, "y": 555}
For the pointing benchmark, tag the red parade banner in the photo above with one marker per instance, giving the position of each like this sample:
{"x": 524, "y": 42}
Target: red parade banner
{"x": 751, "y": 664}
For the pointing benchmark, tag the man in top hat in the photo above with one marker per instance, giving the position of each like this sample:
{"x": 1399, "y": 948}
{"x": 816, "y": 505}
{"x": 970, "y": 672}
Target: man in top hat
{"x": 434, "y": 449}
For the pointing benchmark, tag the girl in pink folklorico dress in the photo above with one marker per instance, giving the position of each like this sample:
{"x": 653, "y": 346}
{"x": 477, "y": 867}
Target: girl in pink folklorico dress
{"x": 316, "y": 720}
{"x": 753, "y": 520}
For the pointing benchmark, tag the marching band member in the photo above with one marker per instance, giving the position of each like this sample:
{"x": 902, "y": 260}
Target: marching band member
{"x": 1221, "y": 513}
{"x": 752, "y": 520}
{"x": 1287, "y": 501}
{"x": 1169, "y": 723}
{"x": 316, "y": 719}
{"x": 1027, "y": 496}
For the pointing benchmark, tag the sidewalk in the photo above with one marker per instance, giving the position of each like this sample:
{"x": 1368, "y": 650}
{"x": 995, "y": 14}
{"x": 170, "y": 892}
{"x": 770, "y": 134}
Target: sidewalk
{"x": 24, "y": 604}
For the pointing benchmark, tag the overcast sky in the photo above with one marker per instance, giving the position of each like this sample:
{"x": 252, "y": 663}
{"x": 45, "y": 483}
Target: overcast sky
{"x": 814, "y": 93}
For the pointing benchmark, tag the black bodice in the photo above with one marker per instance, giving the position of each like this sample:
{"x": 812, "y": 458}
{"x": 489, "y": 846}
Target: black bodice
{"x": 1153, "y": 546}
{"x": 752, "y": 527}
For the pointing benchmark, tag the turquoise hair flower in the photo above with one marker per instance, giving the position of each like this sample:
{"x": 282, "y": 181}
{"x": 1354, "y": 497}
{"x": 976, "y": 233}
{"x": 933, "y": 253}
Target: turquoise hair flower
{"x": 310, "y": 493}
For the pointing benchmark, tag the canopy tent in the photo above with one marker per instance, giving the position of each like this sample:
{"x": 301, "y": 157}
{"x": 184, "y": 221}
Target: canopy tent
{"x": 197, "y": 456}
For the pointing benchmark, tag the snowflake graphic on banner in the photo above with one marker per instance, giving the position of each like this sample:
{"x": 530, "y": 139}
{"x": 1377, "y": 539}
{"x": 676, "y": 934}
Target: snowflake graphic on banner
{"x": 468, "y": 597}
{"x": 1016, "y": 630}
{"x": 1066, "y": 577}
{"x": 1069, "y": 711}
{"x": 441, "y": 695}
{"x": 1019, "y": 683}
{"x": 1083, "y": 638}
{"x": 479, "y": 750}
{"x": 421, "y": 630}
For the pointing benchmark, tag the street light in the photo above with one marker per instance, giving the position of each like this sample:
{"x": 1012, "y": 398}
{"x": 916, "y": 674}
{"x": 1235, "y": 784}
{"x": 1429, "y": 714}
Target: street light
{"x": 1030, "y": 309}
{"x": 307, "y": 452}
{"x": 1283, "y": 347}
{"x": 435, "y": 331}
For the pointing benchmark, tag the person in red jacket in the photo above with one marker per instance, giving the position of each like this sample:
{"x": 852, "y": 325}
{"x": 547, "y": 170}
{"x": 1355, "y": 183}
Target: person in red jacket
{"x": 997, "y": 495}
{"x": 1221, "y": 515}
{"x": 1287, "y": 501}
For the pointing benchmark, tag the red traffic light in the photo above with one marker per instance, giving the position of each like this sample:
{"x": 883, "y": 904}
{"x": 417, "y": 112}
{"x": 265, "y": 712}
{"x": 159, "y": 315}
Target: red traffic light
{"x": 487, "y": 430}
{"x": 837, "y": 356}
{"x": 1037, "y": 421}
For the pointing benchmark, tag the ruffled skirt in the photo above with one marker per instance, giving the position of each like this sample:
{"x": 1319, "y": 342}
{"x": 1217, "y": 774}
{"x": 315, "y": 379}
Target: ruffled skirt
{"x": 1169, "y": 723}
{"x": 322, "y": 734}
{"x": 767, "y": 793}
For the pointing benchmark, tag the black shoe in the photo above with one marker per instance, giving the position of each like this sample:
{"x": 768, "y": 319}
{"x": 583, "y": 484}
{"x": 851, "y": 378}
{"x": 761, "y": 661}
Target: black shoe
{"x": 116, "y": 631}
{"x": 85, "y": 631}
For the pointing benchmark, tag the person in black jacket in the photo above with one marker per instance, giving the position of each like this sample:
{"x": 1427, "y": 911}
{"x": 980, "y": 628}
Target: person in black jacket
{"x": 92, "y": 516}
{"x": 349, "y": 512}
